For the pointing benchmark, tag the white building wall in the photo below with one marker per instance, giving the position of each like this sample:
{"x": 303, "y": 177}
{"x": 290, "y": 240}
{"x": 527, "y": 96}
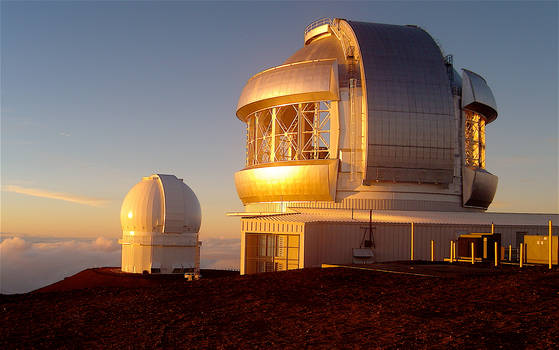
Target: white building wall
{"x": 142, "y": 252}
{"x": 332, "y": 243}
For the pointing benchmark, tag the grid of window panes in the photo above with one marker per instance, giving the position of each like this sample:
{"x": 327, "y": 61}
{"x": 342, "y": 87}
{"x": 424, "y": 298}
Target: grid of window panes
{"x": 474, "y": 137}
{"x": 266, "y": 252}
{"x": 292, "y": 132}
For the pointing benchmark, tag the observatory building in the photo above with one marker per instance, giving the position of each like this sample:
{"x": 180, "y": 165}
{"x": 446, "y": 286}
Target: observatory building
{"x": 160, "y": 219}
{"x": 365, "y": 123}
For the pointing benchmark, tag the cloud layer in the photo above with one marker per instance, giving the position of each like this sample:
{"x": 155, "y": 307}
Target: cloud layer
{"x": 220, "y": 253}
{"x": 36, "y": 192}
{"x": 28, "y": 263}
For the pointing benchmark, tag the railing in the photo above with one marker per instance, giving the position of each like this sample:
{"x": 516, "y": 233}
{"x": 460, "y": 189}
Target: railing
{"x": 318, "y": 23}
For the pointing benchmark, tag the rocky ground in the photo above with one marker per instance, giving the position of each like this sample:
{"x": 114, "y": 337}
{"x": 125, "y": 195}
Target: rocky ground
{"x": 449, "y": 307}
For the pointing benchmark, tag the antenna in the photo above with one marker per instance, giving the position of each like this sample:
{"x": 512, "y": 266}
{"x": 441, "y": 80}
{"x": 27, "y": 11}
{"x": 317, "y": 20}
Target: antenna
{"x": 368, "y": 243}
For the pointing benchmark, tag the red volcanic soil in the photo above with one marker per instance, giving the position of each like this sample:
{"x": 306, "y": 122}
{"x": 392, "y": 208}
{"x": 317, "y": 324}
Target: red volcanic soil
{"x": 114, "y": 277}
{"x": 460, "y": 307}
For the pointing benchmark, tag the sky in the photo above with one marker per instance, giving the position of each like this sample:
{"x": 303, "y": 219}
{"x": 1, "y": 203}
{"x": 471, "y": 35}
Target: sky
{"x": 95, "y": 95}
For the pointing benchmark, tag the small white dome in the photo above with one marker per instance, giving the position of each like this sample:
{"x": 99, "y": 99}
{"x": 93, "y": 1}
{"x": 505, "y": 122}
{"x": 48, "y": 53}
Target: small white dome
{"x": 161, "y": 204}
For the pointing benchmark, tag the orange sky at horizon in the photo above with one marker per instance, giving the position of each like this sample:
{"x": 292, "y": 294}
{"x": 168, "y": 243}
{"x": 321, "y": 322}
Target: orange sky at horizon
{"x": 41, "y": 216}
{"x": 44, "y": 213}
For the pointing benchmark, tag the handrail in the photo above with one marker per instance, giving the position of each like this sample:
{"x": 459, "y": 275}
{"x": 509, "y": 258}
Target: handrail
{"x": 318, "y": 23}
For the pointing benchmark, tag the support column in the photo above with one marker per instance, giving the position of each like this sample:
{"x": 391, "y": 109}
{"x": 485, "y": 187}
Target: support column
{"x": 352, "y": 127}
{"x": 273, "y": 136}
{"x": 550, "y": 246}
{"x": 248, "y": 145}
{"x": 256, "y": 134}
{"x": 521, "y": 254}
{"x": 432, "y": 250}
{"x": 411, "y": 243}
{"x": 300, "y": 127}
{"x": 315, "y": 128}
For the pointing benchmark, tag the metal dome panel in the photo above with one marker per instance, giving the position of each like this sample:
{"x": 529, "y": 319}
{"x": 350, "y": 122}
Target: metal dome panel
{"x": 477, "y": 95}
{"x": 409, "y": 105}
{"x": 160, "y": 204}
{"x": 143, "y": 207}
{"x": 291, "y": 83}
{"x": 479, "y": 187}
{"x": 182, "y": 209}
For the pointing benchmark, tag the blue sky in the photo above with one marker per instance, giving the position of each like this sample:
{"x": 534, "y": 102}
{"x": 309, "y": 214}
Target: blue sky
{"x": 96, "y": 95}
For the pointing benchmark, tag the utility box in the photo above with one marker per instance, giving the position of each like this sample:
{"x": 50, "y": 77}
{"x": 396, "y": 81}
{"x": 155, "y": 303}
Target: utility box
{"x": 537, "y": 249}
{"x": 464, "y": 247}
{"x": 363, "y": 256}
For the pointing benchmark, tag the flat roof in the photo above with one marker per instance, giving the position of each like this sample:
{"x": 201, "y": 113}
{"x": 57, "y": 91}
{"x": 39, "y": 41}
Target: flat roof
{"x": 305, "y": 215}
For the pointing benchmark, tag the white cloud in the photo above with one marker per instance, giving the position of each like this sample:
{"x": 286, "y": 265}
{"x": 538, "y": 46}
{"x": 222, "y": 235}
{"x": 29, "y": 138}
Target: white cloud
{"x": 220, "y": 253}
{"x": 13, "y": 245}
{"x": 28, "y": 263}
{"x": 36, "y": 192}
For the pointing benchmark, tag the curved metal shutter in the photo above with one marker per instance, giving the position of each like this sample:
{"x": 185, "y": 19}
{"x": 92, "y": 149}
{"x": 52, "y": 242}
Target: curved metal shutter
{"x": 410, "y": 109}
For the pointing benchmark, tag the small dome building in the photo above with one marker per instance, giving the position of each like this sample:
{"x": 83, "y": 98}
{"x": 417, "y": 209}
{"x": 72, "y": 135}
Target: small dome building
{"x": 160, "y": 218}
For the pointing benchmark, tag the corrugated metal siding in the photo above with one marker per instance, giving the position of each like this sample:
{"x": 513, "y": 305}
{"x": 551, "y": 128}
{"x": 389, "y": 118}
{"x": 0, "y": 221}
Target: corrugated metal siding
{"x": 332, "y": 243}
{"x": 359, "y": 204}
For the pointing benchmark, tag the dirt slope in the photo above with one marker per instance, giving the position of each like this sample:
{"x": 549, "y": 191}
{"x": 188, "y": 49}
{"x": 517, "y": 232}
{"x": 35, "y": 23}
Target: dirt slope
{"x": 113, "y": 277}
{"x": 317, "y": 308}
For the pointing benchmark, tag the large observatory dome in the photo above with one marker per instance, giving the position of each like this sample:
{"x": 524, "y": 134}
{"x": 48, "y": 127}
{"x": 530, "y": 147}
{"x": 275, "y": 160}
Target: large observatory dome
{"x": 160, "y": 204}
{"x": 367, "y": 116}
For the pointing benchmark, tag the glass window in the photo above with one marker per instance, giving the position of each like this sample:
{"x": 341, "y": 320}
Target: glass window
{"x": 251, "y": 244}
{"x": 251, "y": 266}
{"x": 292, "y": 265}
{"x": 262, "y": 246}
{"x": 281, "y": 251}
{"x": 271, "y": 252}
{"x": 293, "y": 254}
